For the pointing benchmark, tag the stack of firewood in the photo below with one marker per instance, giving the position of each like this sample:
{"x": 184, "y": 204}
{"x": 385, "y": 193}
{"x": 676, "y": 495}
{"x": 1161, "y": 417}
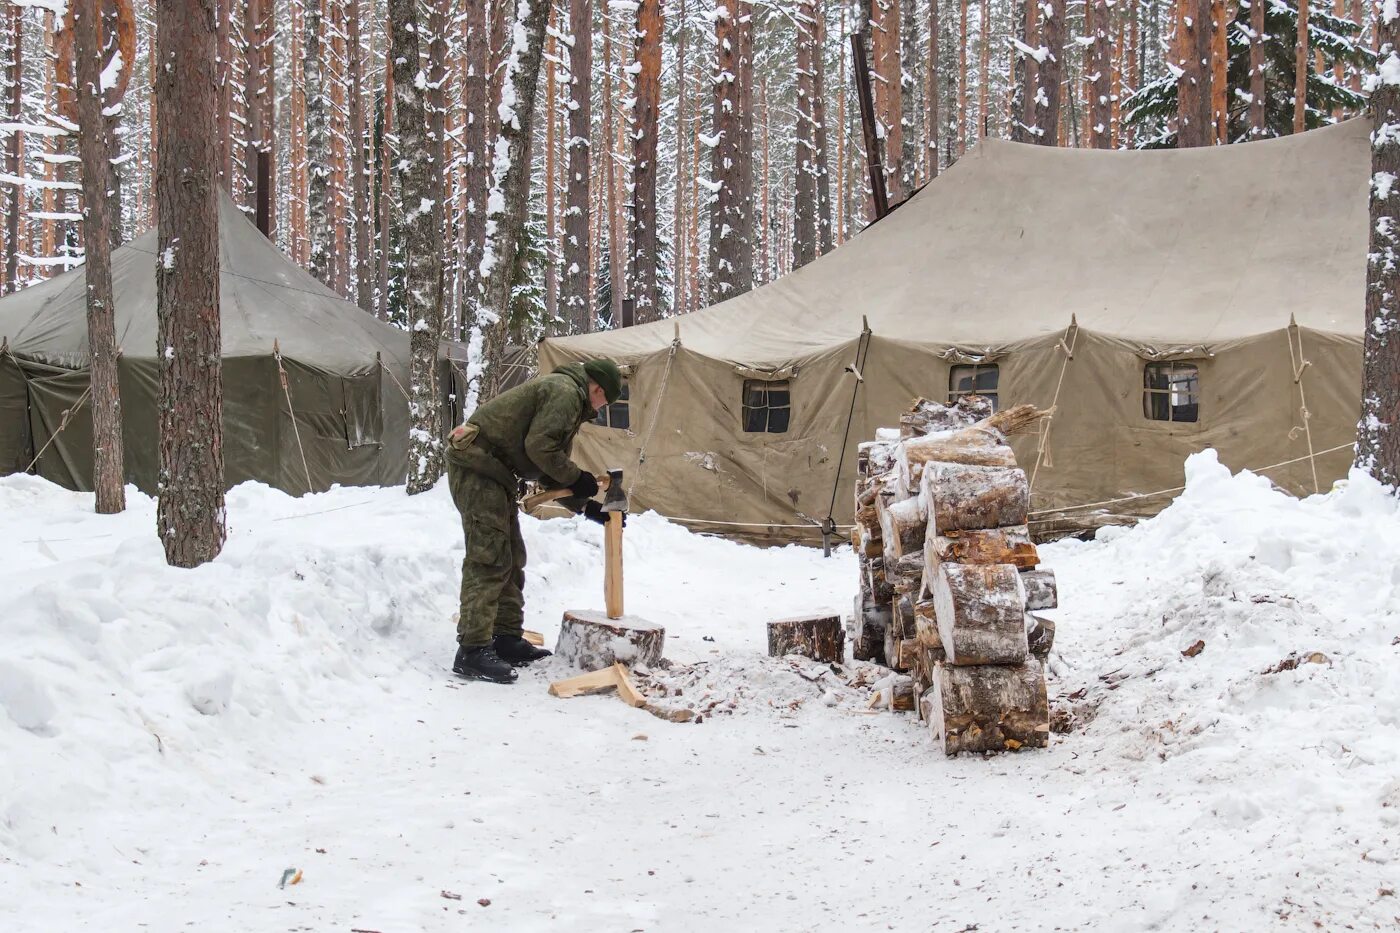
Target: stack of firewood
{"x": 949, "y": 578}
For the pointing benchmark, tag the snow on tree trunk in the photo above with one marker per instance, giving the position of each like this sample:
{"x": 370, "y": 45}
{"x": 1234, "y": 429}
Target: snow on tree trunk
{"x": 1378, "y": 434}
{"x": 107, "y": 478}
{"x": 318, "y": 151}
{"x": 422, "y": 287}
{"x": 359, "y": 137}
{"x": 190, "y": 511}
{"x": 1099, "y": 64}
{"x": 507, "y": 203}
{"x": 908, "y": 96}
{"x": 932, "y": 127}
{"x": 436, "y": 102}
{"x": 574, "y": 287}
{"x": 731, "y": 217}
{"x": 1047, "y": 96}
{"x": 644, "y": 292}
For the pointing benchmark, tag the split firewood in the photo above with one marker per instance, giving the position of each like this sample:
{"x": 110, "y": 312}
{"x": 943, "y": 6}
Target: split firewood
{"x": 902, "y": 694}
{"x": 908, "y": 573}
{"x": 971, "y": 498}
{"x": 902, "y": 526}
{"x": 989, "y": 708}
{"x": 591, "y": 641}
{"x": 926, "y": 417}
{"x": 980, "y": 444}
{"x": 1041, "y": 592}
{"x": 599, "y": 681}
{"x": 820, "y": 638}
{"x": 1040, "y": 635}
{"x": 903, "y": 617}
{"x": 1011, "y": 545}
{"x": 894, "y": 651}
{"x": 981, "y": 613}
{"x": 926, "y": 626}
{"x": 870, "y": 623}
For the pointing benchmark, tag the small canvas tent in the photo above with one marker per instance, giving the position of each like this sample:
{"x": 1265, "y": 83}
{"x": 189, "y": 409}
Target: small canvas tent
{"x": 1163, "y": 301}
{"x": 313, "y": 386}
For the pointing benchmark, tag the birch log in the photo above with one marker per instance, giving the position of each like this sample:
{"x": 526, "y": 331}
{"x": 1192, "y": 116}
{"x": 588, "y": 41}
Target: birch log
{"x": 981, "y": 613}
{"x": 989, "y": 708}
{"x": 1041, "y": 592}
{"x": 902, "y": 526}
{"x": 960, "y": 497}
{"x": 1011, "y": 545}
{"x": 591, "y": 641}
{"x": 870, "y": 623}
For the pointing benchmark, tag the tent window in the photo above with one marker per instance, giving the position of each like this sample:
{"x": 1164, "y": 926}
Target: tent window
{"x": 767, "y": 406}
{"x": 616, "y": 414}
{"x": 974, "y": 379}
{"x": 1171, "y": 392}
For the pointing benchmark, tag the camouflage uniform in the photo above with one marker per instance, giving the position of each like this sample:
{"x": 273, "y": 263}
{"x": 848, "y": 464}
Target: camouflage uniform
{"x": 525, "y": 433}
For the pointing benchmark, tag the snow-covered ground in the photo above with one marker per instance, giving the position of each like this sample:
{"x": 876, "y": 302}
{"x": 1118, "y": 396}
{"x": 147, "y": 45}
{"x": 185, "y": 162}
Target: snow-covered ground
{"x": 171, "y": 741}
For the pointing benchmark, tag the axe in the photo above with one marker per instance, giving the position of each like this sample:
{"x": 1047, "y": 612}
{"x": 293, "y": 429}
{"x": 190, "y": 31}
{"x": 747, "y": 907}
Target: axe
{"x": 606, "y": 483}
{"x": 615, "y": 505}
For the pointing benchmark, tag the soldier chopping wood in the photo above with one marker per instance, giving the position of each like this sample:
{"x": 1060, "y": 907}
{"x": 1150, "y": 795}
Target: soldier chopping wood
{"x": 525, "y": 433}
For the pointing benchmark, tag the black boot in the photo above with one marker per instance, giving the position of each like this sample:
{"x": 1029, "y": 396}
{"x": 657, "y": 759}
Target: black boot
{"x": 482, "y": 664}
{"x": 516, "y": 651}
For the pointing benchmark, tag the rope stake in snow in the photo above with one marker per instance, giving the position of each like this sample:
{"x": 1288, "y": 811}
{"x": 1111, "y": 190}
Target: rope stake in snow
{"x": 1042, "y": 452}
{"x": 296, "y": 431}
{"x": 1299, "y": 366}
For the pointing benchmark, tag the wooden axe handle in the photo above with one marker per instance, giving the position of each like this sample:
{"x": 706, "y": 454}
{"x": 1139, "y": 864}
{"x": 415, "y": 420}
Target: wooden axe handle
{"x": 530, "y": 503}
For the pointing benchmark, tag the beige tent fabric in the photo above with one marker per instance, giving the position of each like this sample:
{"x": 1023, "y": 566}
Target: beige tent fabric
{"x": 1017, "y": 255}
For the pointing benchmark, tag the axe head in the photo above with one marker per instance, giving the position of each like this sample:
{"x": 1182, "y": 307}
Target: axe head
{"x": 615, "y": 499}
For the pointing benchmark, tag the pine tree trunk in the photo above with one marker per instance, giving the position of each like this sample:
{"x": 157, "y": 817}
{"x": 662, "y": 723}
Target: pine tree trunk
{"x": 190, "y": 511}
{"x": 359, "y": 137}
{"x": 804, "y": 203}
{"x": 731, "y": 219}
{"x": 1100, "y": 66}
{"x": 908, "y": 96}
{"x": 551, "y": 186}
{"x": 510, "y": 188}
{"x": 575, "y": 289}
{"x": 224, "y": 65}
{"x": 935, "y": 91}
{"x": 1219, "y": 65}
{"x": 885, "y": 80}
{"x": 422, "y": 288}
{"x": 105, "y": 405}
{"x": 262, "y": 131}
{"x": 679, "y": 229}
{"x": 1195, "y": 123}
{"x": 476, "y": 91}
{"x": 14, "y": 146}
{"x": 984, "y": 40}
{"x": 334, "y": 78}
{"x": 436, "y": 101}
{"x": 1300, "y": 86}
{"x": 1378, "y": 434}
{"x": 962, "y": 76}
{"x": 819, "y": 136}
{"x": 1257, "y": 118}
{"x": 384, "y": 225}
{"x": 296, "y": 237}
{"x": 644, "y": 293}
{"x": 318, "y": 150}
{"x": 615, "y": 290}
{"x": 1050, "y": 74}
{"x": 1028, "y": 131}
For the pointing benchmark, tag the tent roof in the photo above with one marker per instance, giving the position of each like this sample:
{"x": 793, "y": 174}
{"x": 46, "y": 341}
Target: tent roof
{"x": 264, "y": 296}
{"x": 1174, "y": 247}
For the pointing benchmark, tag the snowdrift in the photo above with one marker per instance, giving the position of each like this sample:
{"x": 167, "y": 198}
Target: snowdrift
{"x": 171, "y": 740}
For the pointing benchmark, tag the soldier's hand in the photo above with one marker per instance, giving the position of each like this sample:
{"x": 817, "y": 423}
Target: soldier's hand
{"x": 593, "y": 511}
{"x": 586, "y": 486}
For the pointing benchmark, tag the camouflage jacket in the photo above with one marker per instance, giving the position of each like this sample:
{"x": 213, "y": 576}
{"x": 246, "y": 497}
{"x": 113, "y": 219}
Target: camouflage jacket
{"x": 527, "y": 432}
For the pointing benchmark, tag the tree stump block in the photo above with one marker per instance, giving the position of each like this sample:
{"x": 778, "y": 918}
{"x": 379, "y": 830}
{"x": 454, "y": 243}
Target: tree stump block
{"x": 820, "y": 638}
{"x": 981, "y": 613}
{"x": 1041, "y": 592}
{"x": 989, "y": 708}
{"x": 591, "y": 641}
{"x": 984, "y": 546}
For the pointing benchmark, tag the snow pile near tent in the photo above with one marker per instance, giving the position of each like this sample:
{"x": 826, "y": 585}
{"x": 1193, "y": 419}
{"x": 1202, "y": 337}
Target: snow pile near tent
{"x": 171, "y": 740}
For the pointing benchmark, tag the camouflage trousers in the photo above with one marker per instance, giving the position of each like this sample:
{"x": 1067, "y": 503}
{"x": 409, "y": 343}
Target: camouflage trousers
{"x": 493, "y": 569}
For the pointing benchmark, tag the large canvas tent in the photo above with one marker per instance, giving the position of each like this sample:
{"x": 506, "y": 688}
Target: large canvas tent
{"x": 314, "y": 388}
{"x": 1163, "y": 302}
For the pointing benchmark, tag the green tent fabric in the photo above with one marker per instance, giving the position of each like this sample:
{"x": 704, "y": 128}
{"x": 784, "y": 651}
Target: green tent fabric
{"x": 1074, "y": 278}
{"x": 313, "y": 386}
